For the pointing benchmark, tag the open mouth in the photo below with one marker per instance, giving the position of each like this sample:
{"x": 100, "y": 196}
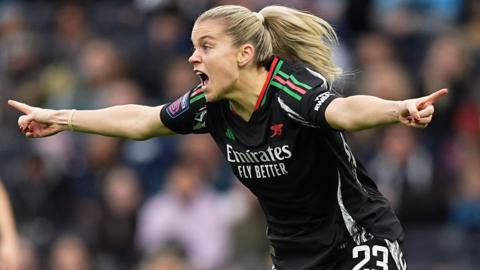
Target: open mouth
{"x": 203, "y": 78}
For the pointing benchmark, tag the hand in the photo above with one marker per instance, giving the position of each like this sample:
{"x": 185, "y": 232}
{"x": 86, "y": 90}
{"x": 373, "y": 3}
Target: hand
{"x": 36, "y": 122}
{"x": 418, "y": 112}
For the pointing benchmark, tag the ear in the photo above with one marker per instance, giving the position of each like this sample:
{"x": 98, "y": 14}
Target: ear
{"x": 246, "y": 54}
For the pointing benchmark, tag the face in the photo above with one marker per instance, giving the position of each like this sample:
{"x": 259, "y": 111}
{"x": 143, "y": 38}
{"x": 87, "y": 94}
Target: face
{"x": 214, "y": 59}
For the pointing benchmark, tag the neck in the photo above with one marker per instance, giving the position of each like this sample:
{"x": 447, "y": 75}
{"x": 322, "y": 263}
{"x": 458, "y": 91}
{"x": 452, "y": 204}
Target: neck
{"x": 244, "y": 96}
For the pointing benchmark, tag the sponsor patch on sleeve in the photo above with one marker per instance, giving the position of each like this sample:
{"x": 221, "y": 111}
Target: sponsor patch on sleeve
{"x": 320, "y": 99}
{"x": 179, "y": 106}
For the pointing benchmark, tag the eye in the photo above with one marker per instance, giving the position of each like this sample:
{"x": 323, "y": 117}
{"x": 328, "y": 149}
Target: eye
{"x": 206, "y": 47}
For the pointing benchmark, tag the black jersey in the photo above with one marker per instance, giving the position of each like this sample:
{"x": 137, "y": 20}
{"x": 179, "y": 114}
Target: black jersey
{"x": 315, "y": 194}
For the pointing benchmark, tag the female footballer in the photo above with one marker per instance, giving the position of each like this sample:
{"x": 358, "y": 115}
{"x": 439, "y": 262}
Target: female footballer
{"x": 265, "y": 97}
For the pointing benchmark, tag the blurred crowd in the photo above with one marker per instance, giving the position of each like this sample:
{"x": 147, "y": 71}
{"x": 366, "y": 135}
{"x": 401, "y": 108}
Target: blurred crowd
{"x": 85, "y": 202}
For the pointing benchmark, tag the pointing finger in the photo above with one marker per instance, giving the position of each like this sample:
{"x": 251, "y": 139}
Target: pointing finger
{"x": 432, "y": 98}
{"x": 26, "y": 109}
{"x": 436, "y": 95}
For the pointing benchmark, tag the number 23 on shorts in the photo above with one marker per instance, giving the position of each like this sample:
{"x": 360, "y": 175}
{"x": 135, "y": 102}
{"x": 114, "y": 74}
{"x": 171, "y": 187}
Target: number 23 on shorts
{"x": 377, "y": 257}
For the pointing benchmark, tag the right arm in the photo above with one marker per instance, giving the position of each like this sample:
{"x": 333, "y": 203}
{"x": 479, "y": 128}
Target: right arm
{"x": 361, "y": 112}
{"x": 130, "y": 121}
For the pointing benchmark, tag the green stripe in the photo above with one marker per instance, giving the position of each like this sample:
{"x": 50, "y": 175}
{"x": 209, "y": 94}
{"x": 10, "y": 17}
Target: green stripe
{"x": 283, "y": 74}
{"x": 286, "y": 90}
{"x": 264, "y": 97}
{"x": 294, "y": 80}
{"x": 200, "y": 96}
{"x": 277, "y": 69}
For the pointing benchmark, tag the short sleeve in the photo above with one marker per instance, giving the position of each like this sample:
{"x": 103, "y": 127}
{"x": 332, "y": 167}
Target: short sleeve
{"x": 309, "y": 108}
{"x": 313, "y": 106}
{"x": 187, "y": 114}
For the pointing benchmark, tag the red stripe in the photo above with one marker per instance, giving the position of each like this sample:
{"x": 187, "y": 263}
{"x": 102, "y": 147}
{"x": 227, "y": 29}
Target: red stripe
{"x": 266, "y": 83}
{"x": 196, "y": 92}
{"x": 290, "y": 84}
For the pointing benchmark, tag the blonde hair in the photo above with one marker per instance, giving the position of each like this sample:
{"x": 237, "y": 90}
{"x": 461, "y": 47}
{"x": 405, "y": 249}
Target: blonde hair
{"x": 286, "y": 32}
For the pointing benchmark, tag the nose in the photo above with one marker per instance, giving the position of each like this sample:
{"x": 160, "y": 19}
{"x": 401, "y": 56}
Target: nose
{"x": 194, "y": 58}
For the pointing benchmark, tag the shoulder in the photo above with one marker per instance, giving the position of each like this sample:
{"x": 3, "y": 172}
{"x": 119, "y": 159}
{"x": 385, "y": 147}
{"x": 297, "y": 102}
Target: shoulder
{"x": 304, "y": 75}
{"x": 297, "y": 82}
{"x": 303, "y": 94}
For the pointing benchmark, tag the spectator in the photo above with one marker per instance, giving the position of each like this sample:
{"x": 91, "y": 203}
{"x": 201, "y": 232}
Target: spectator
{"x": 69, "y": 252}
{"x": 189, "y": 213}
{"x": 121, "y": 199}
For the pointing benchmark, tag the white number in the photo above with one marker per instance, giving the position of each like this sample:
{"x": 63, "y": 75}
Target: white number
{"x": 356, "y": 250}
{"x": 384, "y": 262}
{"x": 375, "y": 252}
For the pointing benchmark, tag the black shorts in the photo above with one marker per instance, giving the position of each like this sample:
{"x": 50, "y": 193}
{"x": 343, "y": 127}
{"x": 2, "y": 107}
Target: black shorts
{"x": 375, "y": 254}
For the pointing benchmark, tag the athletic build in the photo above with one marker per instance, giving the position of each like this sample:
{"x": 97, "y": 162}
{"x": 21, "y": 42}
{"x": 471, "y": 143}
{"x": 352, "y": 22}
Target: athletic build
{"x": 275, "y": 155}
{"x": 265, "y": 99}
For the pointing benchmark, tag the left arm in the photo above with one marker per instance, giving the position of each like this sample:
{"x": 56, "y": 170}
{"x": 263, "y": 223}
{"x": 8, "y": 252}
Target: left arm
{"x": 363, "y": 112}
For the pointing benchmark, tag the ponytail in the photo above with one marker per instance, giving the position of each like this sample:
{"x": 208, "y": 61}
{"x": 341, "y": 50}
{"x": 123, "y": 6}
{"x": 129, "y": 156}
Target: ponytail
{"x": 301, "y": 36}
{"x": 276, "y": 30}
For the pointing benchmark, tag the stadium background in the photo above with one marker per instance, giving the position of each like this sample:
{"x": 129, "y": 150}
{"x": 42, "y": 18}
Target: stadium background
{"x": 91, "y": 202}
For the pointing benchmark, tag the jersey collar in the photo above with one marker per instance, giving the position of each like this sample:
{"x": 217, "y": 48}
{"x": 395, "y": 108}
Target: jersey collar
{"x": 276, "y": 62}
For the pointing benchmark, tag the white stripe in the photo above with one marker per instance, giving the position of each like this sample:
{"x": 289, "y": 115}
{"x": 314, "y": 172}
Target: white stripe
{"x": 318, "y": 75}
{"x": 359, "y": 235}
{"x": 397, "y": 254}
{"x": 294, "y": 115}
{"x": 351, "y": 161}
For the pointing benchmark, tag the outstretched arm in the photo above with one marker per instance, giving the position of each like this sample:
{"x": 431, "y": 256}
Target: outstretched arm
{"x": 363, "y": 112}
{"x": 135, "y": 122}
